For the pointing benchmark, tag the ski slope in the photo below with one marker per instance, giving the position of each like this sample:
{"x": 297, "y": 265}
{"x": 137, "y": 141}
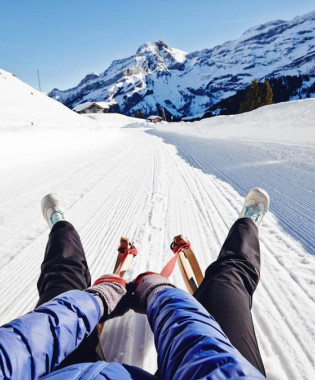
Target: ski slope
{"x": 119, "y": 177}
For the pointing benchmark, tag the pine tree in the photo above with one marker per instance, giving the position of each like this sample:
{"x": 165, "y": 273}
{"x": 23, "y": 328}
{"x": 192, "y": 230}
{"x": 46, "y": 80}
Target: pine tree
{"x": 252, "y": 98}
{"x": 139, "y": 114}
{"x": 266, "y": 93}
{"x": 245, "y": 105}
{"x": 256, "y": 95}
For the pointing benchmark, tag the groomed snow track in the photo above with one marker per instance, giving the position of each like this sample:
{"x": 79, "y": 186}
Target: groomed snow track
{"x": 136, "y": 185}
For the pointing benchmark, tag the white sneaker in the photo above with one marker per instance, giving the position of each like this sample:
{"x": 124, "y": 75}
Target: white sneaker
{"x": 52, "y": 209}
{"x": 256, "y": 205}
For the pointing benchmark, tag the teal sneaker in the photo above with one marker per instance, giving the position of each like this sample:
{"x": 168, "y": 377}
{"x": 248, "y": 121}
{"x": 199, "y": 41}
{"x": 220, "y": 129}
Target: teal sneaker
{"x": 256, "y": 205}
{"x": 52, "y": 209}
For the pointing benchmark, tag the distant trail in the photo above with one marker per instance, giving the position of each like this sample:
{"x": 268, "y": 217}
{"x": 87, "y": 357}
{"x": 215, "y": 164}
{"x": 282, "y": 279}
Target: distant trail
{"x": 140, "y": 187}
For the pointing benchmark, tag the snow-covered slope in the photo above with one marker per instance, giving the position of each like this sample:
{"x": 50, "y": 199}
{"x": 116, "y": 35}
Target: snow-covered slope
{"x": 23, "y": 106}
{"x": 151, "y": 184}
{"x": 288, "y": 122}
{"x": 159, "y": 76}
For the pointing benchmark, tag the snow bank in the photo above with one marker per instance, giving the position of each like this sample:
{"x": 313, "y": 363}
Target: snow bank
{"x": 115, "y": 120}
{"x": 289, "y": 122}
{"x": 23, "y": 106}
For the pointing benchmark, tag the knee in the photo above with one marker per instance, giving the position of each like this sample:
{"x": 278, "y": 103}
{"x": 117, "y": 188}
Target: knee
{"x": 234, "y": 270}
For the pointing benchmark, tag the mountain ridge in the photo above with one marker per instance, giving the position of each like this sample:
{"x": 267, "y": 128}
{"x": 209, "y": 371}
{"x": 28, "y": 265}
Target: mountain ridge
{"x": 187, "y": 84}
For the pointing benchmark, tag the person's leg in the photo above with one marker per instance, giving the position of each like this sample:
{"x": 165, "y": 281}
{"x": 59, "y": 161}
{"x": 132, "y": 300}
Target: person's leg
{"x": 227, "y": 289}
{"x": 65, "y": 268}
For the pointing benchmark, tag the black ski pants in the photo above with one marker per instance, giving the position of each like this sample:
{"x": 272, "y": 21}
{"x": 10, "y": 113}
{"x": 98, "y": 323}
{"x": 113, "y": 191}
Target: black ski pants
{"x": 226, "y": 291}
{"x": 65, "y": 268}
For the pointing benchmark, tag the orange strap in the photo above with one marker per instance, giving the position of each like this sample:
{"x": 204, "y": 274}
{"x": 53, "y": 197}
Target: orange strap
{"x": 177, "y": 249}
{"x": 169, "y": 267}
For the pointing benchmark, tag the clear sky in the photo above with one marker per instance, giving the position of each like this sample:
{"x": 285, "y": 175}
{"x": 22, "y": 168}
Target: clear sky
{"x": 67, "y": 39}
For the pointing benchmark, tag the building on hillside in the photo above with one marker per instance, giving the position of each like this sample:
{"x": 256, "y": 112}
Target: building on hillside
{"x": 154, "y": 119}
{"x": 92, "y": 107}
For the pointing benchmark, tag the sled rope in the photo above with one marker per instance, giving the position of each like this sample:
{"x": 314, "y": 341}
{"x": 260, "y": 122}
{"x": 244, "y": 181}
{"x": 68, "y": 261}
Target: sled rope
{"x": 187, "y": 262}
{"x": 169, "y": 267}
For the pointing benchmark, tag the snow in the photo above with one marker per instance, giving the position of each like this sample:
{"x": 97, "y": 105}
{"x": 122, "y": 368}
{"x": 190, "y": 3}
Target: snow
{"x": 289, "y": 122}
{"x": 120, "y": 178}
{"x": 82, "y": 106}
{"x": 179, "y": 55}
{"x": 153, "y": 48}
{"x": 23, "y": 106}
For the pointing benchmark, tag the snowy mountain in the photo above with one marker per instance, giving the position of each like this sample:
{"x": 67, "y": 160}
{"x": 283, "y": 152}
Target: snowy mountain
{"x": 187, "y": 84}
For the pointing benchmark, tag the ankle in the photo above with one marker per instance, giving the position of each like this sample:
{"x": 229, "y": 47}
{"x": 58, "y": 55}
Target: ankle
{"x": 56, "y": 216}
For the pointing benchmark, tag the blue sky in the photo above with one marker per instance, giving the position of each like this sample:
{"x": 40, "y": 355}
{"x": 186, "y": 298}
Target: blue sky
{"x": 67, "y": 39}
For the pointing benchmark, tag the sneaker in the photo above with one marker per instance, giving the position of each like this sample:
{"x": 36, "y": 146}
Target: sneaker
{"x": 256, "y": 205}
{"x": 52, "y": 209}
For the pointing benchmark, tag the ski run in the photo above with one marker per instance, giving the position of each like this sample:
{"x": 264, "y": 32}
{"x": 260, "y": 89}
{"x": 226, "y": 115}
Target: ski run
{"x": 122, "y": 177}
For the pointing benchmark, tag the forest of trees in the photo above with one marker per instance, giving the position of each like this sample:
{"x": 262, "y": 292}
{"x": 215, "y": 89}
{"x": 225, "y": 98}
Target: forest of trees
{"x": 256, "y": 95}
{"x": 283, "y": 89}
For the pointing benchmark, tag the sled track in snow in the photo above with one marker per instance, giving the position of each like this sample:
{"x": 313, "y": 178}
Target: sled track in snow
{"x": 140, "y": 187}
{"x": 200, "y": 161}
{"x": 290, "y": 331}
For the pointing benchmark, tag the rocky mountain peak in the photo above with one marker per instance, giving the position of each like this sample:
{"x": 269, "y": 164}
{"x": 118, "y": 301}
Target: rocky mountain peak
{"x": 162, "y": 51}
{"x": 154, "y": 46}
{"x": 159, "y": 76}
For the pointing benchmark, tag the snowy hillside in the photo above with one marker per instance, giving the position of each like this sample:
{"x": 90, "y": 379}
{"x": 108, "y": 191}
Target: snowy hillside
{"x": 119, "y": 177}
{"x": 23, "y": 106}
{"x": 187, "y": 84}
{"x": 289, "y": 122}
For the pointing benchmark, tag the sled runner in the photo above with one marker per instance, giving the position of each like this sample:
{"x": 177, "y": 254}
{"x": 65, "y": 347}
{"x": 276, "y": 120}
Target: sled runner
{"x": 188, "y": 264}
{"x": 126, "y": 252}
